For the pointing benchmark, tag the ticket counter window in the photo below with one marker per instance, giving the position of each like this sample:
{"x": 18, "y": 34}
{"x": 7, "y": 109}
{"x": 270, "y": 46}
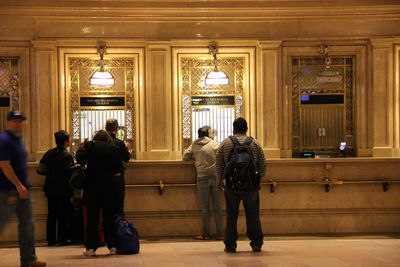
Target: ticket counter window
{"x": 92, "y": 105}
{"x": 322, "y": 105}
{"x": 216, "y": 106}
{"x": 9, "y": 88}
{"x": 94, "y": 120}
{"x": 219, "y": 119}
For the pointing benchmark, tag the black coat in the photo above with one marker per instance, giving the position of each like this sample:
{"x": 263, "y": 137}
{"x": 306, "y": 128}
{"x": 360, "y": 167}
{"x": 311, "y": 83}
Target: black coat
{"x": 60, "y": 164}
{"x": 103, "y": 162}
{"x": 122, "y": 150}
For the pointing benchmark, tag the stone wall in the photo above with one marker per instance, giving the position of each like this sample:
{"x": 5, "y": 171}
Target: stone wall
{"x": 356, "y": 207}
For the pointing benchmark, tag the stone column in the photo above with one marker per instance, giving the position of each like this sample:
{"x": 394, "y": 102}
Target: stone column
{"x": 44, "y": 97}
{"x": 268, "y": 93}
{"x": 382, "y": 98}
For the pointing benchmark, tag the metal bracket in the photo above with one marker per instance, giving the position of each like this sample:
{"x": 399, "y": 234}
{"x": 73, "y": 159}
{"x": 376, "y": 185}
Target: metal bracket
{"x": 327, "y": 188}
{"x": 161, "y": 188}
{"x": 385, "y": 186}
{"x": 273, "y": 186}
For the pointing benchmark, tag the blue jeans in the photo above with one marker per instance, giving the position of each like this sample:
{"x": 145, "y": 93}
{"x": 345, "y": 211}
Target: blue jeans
{"x": 10, "y": 203}
{"x": 251, "y": 204}
{"x": 206, "y": 186}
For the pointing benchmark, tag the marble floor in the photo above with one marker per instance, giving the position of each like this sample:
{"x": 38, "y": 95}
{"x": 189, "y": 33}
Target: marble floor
{"x": 282, "y": 251}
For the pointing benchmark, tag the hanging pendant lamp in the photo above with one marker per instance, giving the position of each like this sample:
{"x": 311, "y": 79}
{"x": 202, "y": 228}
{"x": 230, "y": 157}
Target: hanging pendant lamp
{"x": 102, "y": 77}
{"x": 216, "y": 77}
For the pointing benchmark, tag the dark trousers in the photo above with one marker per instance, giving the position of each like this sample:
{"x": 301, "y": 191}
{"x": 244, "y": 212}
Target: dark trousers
{"x": 59, "y": 207}
{"x": 97, "y": 199}
{"x": 251, "y": 204}
{"x": 119, "y": 193}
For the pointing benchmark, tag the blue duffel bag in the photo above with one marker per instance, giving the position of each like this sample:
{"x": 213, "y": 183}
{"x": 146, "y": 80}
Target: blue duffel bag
{"x": 127, "y": 236}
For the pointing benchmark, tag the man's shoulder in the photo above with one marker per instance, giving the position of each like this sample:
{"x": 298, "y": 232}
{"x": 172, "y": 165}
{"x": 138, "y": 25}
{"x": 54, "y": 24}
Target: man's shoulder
{"x": 256, "y": 142}
{"x": 5, "y": 139}
{"x": 67, "y": 153}
{"x": 117, "y": 142}
{"x": 227, "y": 140}
{"x": 4, "y": 136}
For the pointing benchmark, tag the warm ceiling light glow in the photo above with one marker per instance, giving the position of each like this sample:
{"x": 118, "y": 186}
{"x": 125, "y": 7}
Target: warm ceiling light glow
{"x": 216, "y": 77}
{"x": 102, "y": 77}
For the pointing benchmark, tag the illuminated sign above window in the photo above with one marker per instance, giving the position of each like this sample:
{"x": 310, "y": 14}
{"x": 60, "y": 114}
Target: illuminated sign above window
{"x": 213, "y": 100}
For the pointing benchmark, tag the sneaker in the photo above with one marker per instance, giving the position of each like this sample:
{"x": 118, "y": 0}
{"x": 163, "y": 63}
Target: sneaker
{"x": 51, "y": 244}
{"x": 89, "y": 252}
{"x": 256, "y": 248}
{"x": 35, "y": 263}
{"x": 219, "y": 237}
{"x": 113, "y": 251}
{"x": 230, "y": 250}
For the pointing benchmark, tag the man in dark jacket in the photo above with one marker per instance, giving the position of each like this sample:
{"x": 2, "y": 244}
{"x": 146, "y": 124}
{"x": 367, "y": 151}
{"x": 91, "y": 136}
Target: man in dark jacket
{"x": 112, "y": 129}
{"x": 59, "y": 164}
{"x": 103, "y": 163}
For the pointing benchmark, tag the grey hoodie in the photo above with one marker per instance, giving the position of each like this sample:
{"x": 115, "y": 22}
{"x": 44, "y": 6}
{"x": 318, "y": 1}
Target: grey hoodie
{"x": 203, "y": 151}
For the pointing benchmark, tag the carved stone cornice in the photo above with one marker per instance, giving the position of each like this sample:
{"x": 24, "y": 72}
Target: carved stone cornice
{"x": 44, "y": 45}
{"x": 268, "y": 45}
{"x": 382, "y": 42}
{"x": 189, "y": 10}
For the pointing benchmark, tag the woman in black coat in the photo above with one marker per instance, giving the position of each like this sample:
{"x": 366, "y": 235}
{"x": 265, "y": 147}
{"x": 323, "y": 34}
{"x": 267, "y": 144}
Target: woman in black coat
{"x": 103, "y": 163}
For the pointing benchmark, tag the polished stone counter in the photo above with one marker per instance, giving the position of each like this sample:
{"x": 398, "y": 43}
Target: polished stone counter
{"x": 356, "y": 202}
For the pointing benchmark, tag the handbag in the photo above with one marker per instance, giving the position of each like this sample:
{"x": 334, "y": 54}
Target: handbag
{"x": 42, "y": 168}
{"x": 78, "y": 177}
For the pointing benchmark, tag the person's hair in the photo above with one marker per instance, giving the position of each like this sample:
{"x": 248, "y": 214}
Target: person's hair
{"x": 61, "y": 137}
{"x": 111, "y": 125}
{"x": 203, "y": 131}
{"x": 102, "y": 135}
{"x": 240, "y": 125}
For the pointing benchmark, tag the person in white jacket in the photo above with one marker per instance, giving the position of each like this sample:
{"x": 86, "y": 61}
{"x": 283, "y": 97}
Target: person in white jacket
{"x": 203, "y": 151}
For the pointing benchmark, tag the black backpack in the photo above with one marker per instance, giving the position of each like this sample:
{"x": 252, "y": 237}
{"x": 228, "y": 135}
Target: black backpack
{"x": 241, "y": 173}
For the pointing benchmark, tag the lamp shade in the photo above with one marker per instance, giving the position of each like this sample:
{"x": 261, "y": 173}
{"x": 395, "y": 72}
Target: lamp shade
{"x": 102, "y": 78}
{"x": 217, "y": 78}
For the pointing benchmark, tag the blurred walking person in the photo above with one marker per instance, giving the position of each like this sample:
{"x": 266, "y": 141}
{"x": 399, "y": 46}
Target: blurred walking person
{"x": 15, "y": 196}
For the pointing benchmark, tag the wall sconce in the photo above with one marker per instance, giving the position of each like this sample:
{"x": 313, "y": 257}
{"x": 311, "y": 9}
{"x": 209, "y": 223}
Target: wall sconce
{"x": 328, "y": 75}
{"x": 216, "y": 77}
{"x": 102, "y": 77}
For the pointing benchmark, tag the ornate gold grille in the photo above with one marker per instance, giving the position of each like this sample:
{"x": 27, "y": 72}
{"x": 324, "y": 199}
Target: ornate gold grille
{"x": 336, "y": 119}
{"x": 123, "y": 71}
{"x": 9, "y": 87}
{"x": 193, "y": 73}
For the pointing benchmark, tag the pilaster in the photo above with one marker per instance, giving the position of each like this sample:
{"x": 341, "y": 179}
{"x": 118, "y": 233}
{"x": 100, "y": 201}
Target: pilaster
{"x": 268, "y": 126}
{"x": 44, "y": 97}
{"x": 160, "y": 137}
{"x": 382, "y": 98}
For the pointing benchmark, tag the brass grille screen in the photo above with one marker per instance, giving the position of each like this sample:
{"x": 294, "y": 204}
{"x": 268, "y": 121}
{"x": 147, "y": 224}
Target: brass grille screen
{"x": 193, "y": 73}
{"x": 321, "y": 127}
{"x": 9, "y": 87}
{"x": 123, "y": 72}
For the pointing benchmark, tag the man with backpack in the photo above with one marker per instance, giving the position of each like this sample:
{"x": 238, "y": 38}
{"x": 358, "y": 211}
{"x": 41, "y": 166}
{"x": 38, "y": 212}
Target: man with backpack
{"x": 240, "y": 161}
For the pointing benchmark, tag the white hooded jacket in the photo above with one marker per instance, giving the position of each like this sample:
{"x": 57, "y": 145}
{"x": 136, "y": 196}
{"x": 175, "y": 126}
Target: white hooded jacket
{"x": 203, "y": 151}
